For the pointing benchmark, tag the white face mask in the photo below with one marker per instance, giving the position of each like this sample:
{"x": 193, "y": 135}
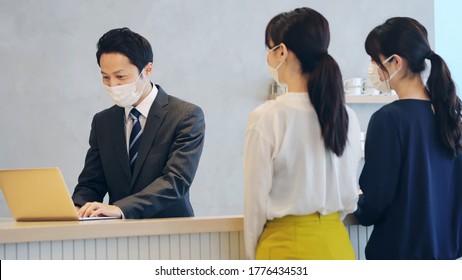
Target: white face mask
{"x": 374, "y": 76}
{"x": 274, "y": 71}
{"x": 125, "y": 95}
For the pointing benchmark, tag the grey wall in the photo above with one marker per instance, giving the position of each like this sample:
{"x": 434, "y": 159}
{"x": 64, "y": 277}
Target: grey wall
{"x": 447, "y": 42}
{"x": 208, "y": 52}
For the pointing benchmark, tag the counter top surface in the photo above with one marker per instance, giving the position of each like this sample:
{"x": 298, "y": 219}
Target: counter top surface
{"x": 15, "y": 232}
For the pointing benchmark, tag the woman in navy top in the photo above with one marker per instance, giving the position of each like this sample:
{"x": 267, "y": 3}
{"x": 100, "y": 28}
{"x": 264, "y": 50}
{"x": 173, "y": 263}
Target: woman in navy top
{"x": 412, "y": 177}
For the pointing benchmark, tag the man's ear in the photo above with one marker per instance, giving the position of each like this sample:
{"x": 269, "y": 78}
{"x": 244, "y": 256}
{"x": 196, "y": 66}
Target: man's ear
{"x": 148, "y": 69}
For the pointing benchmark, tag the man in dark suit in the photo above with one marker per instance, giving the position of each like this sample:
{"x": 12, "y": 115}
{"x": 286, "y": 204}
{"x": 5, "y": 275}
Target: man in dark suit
{"x": 144, "y": 151}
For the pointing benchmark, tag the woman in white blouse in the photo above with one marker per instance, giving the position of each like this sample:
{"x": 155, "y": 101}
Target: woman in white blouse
{"x": 302, "y": 150}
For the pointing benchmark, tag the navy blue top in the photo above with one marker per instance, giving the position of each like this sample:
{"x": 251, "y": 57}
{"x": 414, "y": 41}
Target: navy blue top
{"x": 412, "y": 186}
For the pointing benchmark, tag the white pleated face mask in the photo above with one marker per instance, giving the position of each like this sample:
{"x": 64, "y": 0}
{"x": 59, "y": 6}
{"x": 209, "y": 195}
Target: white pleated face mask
{"x": 126, "y": 95}
{"x": 274, "y": 71}
{"x": 374, "y": 76}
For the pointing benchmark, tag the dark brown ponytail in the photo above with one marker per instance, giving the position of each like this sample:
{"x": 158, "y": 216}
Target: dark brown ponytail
{"x": 447, "y": 105}
{"x": 325, "y": 89}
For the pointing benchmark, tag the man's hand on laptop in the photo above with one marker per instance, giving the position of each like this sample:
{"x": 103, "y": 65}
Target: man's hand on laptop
{"x": 97, "y": 209}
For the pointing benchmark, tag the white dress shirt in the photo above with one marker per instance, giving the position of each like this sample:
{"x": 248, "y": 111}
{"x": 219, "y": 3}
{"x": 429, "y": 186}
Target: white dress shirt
{"x": 289, "y": 171}
{"x": 143, "y": 108}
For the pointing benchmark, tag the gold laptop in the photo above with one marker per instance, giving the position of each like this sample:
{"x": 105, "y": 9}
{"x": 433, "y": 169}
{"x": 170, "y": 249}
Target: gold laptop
{"x": 38, "y": 194}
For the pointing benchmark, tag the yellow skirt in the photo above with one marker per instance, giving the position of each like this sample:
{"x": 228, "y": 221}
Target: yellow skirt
{"x": 308, "y": 237}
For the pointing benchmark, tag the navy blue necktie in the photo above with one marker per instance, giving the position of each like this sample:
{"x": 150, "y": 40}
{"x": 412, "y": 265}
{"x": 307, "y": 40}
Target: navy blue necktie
{"x": 135, "y": 137}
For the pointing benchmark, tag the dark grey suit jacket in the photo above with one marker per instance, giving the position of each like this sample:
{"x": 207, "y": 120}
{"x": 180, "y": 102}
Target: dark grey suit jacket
{"x": 168, "y": 156}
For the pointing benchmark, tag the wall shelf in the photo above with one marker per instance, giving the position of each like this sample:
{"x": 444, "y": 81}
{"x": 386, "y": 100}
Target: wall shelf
{"x": 370, "y": 99}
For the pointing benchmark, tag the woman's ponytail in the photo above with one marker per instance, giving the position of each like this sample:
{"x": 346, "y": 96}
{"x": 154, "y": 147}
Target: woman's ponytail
{"x": 446, "y": 103}
{"x": 325, "y": 89}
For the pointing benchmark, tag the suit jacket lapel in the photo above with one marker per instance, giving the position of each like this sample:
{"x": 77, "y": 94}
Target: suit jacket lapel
{"x": 154, "y": 121}
{"x": 119, "y": 140}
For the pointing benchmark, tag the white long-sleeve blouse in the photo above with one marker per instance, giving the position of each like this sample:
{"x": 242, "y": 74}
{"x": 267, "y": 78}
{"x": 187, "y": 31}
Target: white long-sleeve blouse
{"x": 289, "y": 171}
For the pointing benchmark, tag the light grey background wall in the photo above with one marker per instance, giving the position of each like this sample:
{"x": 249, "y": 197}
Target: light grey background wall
{"x": 448, "y": 43}
{"x": 208, "y": 52}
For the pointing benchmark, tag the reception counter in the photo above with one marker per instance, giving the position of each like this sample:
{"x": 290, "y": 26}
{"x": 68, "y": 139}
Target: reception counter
{"x": 179, "y": 238}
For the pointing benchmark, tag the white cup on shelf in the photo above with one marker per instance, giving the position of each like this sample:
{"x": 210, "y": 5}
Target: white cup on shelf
{"x": 369, "y": 89}
{"x": 353, "y": 86}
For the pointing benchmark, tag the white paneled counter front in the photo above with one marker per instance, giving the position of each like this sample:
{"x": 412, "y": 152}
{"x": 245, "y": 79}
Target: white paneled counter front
{"x": 178, "y": 238}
